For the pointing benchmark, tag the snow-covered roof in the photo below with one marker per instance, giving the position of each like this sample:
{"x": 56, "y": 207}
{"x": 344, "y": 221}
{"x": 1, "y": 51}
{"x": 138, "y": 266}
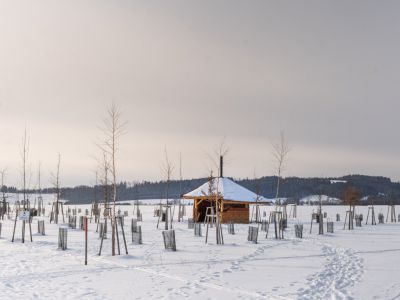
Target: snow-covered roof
{"x": 228, "y": 189}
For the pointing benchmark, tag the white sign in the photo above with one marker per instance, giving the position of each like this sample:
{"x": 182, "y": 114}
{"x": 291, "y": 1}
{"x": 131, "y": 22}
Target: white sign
{"x": 24, "y": 215}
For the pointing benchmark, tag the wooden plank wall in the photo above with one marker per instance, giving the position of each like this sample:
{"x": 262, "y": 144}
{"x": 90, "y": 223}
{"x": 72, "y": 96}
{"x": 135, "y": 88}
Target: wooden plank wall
{"x": 236, "y": 215}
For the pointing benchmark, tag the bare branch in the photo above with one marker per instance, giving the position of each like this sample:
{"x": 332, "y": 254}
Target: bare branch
{"x": 214, "y": 157}
{"x": 167, "y": 166}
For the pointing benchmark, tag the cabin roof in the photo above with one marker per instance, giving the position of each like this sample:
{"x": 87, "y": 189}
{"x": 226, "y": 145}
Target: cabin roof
{"x": 228, "y": 189}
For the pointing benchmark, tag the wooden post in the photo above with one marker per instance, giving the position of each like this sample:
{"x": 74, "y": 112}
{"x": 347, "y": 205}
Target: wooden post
{"x": 195, "y": 210}
{"x": 116, "y": 233}
{"x": 113, "y": 236}
{"x": 276, "y": 229}
{"x": 392, "y": 211}
{"x": 23, "y": 231}
{"x": 321, "y": 223}
{"x": 15, "y": 224}
{"x": 86, "y": 239}
{"x": 373, "y": 220}
{"x": 123, "y": 235}
{"x": 166, "y": 217}
{"x": 30, "y": 227}
{"x": 101, "y": 243}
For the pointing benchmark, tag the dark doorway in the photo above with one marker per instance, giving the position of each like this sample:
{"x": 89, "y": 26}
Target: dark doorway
{"x": 201, "y": 210}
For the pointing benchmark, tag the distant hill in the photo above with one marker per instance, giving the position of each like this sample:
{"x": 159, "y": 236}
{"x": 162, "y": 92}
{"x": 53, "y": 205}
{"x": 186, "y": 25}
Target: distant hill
{"x": 377, "y": 188}
{"x": 380, "y": 189}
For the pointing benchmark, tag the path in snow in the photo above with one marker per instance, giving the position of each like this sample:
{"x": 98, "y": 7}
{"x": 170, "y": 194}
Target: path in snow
{"x": 341, "y": 271}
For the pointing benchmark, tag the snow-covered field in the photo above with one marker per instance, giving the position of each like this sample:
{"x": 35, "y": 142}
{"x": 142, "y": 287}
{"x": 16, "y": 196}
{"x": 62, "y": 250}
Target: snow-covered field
{"x": 362, "y": 264}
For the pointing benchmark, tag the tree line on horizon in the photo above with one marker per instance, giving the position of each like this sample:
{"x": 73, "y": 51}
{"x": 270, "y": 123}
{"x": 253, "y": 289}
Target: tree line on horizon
{"x": 379, "y": 189}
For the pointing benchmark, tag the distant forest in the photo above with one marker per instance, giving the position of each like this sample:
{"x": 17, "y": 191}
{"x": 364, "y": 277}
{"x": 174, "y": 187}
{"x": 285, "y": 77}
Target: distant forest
{"x": 381, "y": 189}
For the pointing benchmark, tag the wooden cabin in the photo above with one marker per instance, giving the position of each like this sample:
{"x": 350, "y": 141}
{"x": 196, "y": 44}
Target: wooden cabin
{"x": 233, "y": 201}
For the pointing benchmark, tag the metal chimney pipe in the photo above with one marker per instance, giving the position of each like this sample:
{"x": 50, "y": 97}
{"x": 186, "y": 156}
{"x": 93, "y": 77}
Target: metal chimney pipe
{"x": 221, "y": 166}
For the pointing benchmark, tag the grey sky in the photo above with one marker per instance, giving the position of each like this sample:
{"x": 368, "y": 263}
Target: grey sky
{"x": 187, "y": 73}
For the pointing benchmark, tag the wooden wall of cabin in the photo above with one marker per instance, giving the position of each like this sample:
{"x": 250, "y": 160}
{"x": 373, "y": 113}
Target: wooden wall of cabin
{"x": 235, "y": 212}
{"x": 231, "y": 211}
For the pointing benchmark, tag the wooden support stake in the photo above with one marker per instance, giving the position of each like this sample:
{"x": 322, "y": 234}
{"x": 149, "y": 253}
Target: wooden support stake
{"x": 123, "y": 235}
{"x": 86, "y": 238}
{"x": 15, "y": 225}
{"x": 116, "y": 232}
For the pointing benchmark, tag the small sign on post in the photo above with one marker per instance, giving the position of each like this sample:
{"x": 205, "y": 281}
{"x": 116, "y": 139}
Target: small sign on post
{"x": 24, "y": 215}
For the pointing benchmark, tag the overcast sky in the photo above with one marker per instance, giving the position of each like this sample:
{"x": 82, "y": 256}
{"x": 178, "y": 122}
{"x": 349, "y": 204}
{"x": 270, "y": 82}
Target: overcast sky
{"x": 187, "y": 73}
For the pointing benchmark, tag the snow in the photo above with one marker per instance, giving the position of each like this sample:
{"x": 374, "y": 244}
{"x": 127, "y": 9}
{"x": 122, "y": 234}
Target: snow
{"x": 229, "y": 191}
{"x": 47, "y": 198}
{"x": 358, "y": 264}
{"x": 337, "y": 181}
{"x": 315, "y": 199}
{"x": 156, "y": 201}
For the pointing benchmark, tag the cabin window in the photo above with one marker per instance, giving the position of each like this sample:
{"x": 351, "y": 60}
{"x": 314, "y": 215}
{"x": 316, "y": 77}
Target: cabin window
{"x": 234, "y": 206}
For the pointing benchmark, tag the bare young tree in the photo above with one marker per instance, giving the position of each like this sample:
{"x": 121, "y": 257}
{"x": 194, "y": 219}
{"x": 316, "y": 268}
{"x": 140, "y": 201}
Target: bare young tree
{"x": 216, "y": 160}
{"x": 167, "y": 169}
{"x": 256, "y": 216}
{"x": 351, "y": 198}
{"x": 320, "y": 215}
{"x": 113, "y": 129}
{"x": 24, "y": 157}
{"x": 3, "y": 208}
{"x": 39, "y": 178}
{"x": 96, "y": 182}
{"x": 55, "y": 178}
{"x": 280, "y": 151}
{"x": 104, "y": 181}
{"x": 3, "y": 187}
{"x": 39, "y": 198}
{"x": 180, "y": 212}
